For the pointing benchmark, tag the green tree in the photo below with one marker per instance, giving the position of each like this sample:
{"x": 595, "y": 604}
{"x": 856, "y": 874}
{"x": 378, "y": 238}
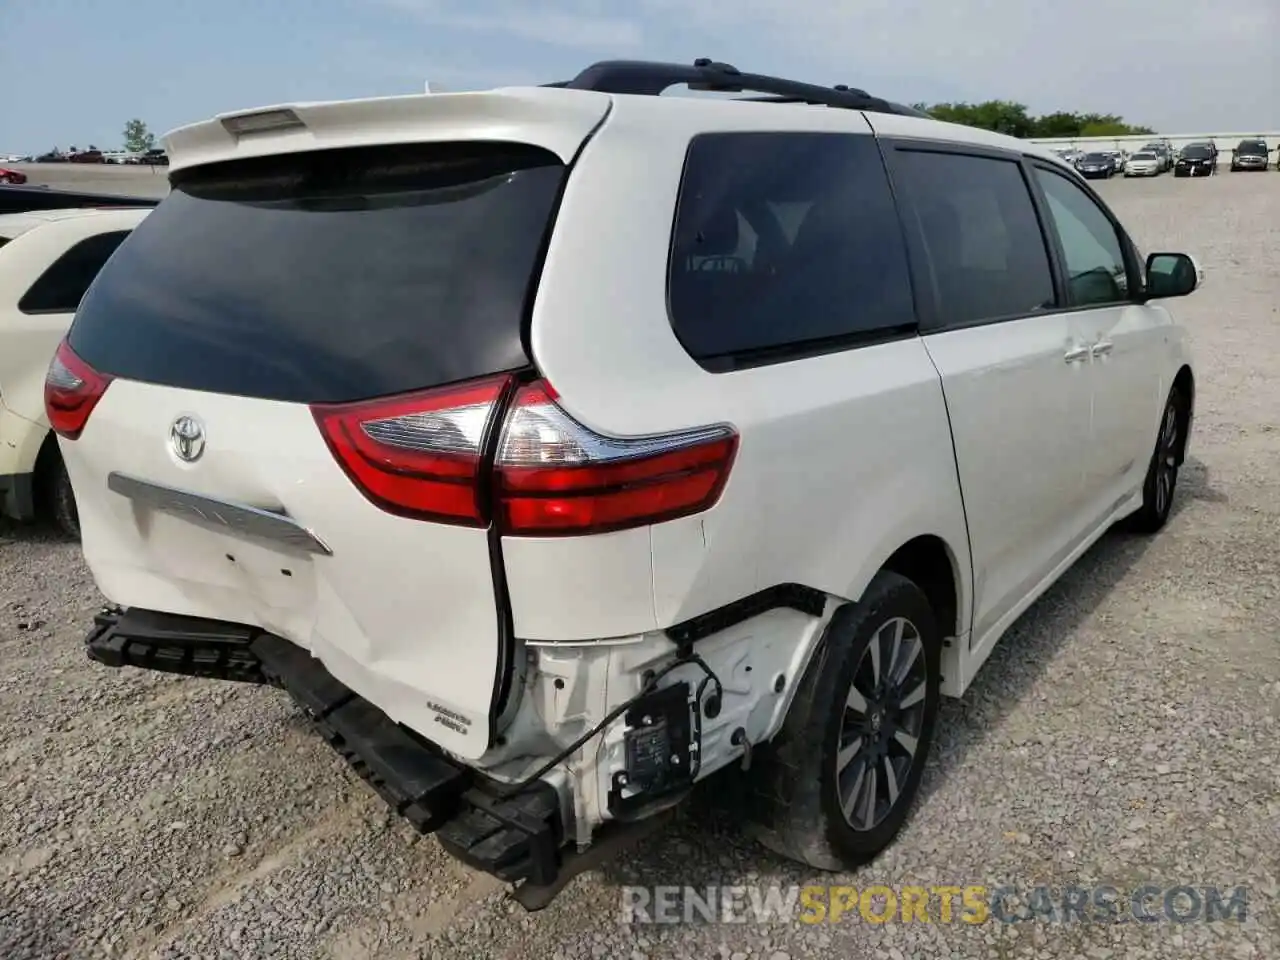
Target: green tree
{"x": 1060, "y": 124}
{"x": 1002, "y": 116}
{"x": 137, "y": 138}
{"x": 1005, "y": 116}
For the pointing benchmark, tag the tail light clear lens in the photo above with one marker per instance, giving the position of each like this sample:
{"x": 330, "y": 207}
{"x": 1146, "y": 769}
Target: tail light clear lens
{"x": 72, "y": 389}
{"x": 556, "y": 477}
{"x": 418, "y": 455}
{"x": 423, "y": 455}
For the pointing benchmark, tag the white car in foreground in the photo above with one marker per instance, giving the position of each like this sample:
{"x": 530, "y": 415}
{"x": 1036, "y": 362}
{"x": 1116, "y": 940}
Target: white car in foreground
{"x": 48, "y": 258}
{"x": 1143, "y": 165}
{"x": 558, "y": 447}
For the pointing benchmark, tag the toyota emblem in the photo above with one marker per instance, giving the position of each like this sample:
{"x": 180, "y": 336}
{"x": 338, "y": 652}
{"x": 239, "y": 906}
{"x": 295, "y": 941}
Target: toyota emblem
{"x": 186, "y": 436}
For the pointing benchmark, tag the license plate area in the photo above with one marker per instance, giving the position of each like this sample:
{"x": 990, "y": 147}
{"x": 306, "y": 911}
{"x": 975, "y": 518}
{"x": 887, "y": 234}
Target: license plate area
{"x": 216, "y": 549}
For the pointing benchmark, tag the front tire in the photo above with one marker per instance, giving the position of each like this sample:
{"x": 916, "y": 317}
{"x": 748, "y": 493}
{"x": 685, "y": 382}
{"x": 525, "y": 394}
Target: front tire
{"x": 836, "y": 785}
{"x": 1162, "y": 472}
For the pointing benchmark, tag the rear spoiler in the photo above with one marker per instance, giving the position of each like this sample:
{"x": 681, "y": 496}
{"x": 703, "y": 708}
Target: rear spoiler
{"x": 15, "y": 199}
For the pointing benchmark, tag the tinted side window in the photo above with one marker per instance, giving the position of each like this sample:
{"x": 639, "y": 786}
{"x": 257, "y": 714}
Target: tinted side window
{"x": 784, "y": 239}
{"x": 61, "y": 287}
{"x": 986, "y": 252}
{"x": 1091, "y": 247}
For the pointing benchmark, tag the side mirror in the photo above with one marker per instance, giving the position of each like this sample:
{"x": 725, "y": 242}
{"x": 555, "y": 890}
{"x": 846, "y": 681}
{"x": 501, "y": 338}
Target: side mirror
{"x": 1172, "y": 275}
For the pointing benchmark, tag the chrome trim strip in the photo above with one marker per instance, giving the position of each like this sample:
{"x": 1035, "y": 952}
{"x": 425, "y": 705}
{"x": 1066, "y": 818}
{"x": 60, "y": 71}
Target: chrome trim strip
{"x": 236, "y": 518}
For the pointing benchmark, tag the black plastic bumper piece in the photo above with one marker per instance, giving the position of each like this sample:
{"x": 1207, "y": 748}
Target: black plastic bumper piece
{"x": 184, "y": 645}
{"x": 516, "y": 839}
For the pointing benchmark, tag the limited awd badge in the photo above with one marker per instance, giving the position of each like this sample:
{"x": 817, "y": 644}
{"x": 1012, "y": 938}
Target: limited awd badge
{"x": 186, "y": 436}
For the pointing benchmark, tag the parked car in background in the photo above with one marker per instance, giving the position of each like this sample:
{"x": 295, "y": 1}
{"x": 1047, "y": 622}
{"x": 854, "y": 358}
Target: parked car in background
{"x": 53, "y": 156}
{"x": 1117, "y": 158}
{"x": 9, "y": 175}
{"x": 1096, "y": 166}
{"x": 1163, "y": 152}
{"x": 119, "y": 156}
{"x": 1195, "y": 160}
{"x": 48, "y": 258}
{"x": 331, "y": 426}
{"x": 1144, "y": 163}
{"x": 91, "y": 155}
{"x": 155, "y": 157}
{"x": 1250, "y": 154}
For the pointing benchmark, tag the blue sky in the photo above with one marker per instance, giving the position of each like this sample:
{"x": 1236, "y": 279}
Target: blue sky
{"x": 78, "y": 69}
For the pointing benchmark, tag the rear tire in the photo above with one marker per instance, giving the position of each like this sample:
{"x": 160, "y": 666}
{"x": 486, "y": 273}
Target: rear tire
{"x": 836, "y": 785}
{"x": 1162, "y": 472}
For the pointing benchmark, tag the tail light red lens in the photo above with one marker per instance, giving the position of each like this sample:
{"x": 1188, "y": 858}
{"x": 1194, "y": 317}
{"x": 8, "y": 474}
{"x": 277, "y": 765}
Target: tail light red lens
{"x": 555, "y": 477}
{"x": 72, "y": 389}
{"x": 423, "y": 455}
{"x": 418, "y": 455}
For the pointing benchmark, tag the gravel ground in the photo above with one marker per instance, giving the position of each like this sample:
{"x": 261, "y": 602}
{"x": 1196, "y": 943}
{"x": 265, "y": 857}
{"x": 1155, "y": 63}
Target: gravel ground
{"x": 134, "y": 181}
{"x": 1126, "y": 731}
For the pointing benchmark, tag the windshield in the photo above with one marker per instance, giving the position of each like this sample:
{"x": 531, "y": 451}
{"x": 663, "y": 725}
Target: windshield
{"x": 1196, "y": 152}
{"x": 1253, "y": 148}
{"x": 1096, "y": 158}
{"x": 1143, "y": 156}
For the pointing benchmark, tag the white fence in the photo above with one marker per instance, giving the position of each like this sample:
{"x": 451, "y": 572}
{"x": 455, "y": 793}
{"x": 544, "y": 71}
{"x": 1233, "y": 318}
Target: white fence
{"x": 1225, "y": 142}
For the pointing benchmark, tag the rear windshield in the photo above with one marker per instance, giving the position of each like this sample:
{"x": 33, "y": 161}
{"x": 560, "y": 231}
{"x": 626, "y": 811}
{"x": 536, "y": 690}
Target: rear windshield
{"x": 329, "y": 276}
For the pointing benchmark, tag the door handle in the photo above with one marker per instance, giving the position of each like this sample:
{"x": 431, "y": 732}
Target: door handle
{"x": 1101, "y": 347}
{"x": 1076, "y": 354}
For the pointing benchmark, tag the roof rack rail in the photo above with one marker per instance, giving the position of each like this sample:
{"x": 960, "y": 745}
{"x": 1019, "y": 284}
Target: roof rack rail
{"x": 652, "y": 78}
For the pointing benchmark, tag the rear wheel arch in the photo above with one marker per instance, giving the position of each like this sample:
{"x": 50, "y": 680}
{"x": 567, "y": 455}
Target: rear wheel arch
{"x": 929, "y": 562}
{"x": 1184, "y": 382}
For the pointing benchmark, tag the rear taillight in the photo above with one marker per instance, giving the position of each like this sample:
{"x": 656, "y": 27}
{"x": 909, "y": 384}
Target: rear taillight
{"x": 418, "y": 455}
{"x": 556, "y": 477}
{"x": 423, "y": 455}
{"x": 72, "y": 389}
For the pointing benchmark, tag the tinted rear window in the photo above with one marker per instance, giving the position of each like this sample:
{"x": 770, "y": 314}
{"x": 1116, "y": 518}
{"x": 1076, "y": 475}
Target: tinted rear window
{"x": 329, "y": 276}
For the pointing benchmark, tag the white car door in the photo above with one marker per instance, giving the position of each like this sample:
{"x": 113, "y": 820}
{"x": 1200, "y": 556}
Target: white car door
{"x": 1125, "y": 341}
{"x": 1014, "y": 367}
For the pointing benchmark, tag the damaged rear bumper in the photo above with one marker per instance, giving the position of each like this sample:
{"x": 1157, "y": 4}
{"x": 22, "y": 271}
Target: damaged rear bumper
{"x": 515, "y": 836}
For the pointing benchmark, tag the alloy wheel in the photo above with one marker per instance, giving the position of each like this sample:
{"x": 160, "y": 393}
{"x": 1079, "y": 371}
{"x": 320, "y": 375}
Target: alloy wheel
{"x": 1167, "y": 459}
{"x": 883, "y": 719}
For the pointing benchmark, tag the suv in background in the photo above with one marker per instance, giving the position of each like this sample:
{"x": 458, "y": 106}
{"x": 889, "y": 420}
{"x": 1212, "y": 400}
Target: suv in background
{"x": 553, "y": 474}
{"x": 1196, "y": 160}
{"x": 1250, "y": 154}
{"x": 48, "y": 258}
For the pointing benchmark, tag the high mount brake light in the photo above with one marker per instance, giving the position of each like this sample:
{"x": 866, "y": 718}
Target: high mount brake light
{"x": 422, "y": 455}
{"x": 72, "y": 389}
